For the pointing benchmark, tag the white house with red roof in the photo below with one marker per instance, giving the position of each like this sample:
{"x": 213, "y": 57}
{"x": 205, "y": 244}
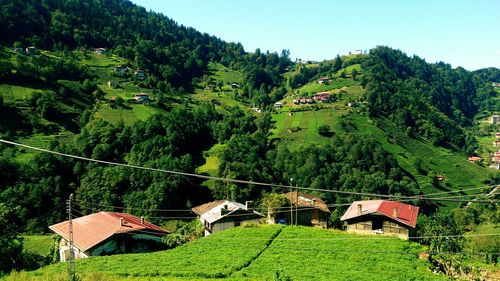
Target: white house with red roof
{"x": 382, "y": 217}
{"x": 108, "y": 233}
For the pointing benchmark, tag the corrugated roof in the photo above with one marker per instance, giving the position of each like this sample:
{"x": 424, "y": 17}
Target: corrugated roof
{"x": 199, "y": 210}
{"x": 211, "y": 212}
{"x": 306, "y": 200}
{"x": 90, "y": 230}
{"x": 403, "y": 213}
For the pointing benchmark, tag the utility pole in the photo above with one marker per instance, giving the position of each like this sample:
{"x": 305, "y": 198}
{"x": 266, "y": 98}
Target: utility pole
{"x": 71, "y": 265}
{"x": 296, "y": 204}
{"x": 291, "y": 201}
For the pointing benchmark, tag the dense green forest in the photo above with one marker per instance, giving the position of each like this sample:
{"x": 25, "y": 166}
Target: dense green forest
{"x": 434, "y": 102}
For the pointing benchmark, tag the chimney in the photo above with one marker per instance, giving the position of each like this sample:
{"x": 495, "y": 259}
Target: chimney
{"x": 142, "y": 220}
{"x": 223, "y": 211}
{"x": 247, "y": 204}
{"x": 395, "y": 212}
{"x": 360, "y": 208}
{"x": 121, "y": 222}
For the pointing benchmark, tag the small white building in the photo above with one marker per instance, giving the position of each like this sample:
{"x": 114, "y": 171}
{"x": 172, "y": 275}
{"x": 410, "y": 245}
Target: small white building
{"x": 101, "y": 51}
{"x": 140, "y": 74}
{"x": 141, "y": 97}
{"x": 223, "y": 214}
{"x": 495, "y": 119}
{"x": 278, "y": 104}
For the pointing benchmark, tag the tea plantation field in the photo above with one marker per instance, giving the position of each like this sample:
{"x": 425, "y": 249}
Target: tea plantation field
{"x": 260, "y": 253}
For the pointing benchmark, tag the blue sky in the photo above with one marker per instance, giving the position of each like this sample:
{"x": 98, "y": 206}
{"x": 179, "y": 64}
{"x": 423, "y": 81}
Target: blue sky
{"x": 460, "y": 32}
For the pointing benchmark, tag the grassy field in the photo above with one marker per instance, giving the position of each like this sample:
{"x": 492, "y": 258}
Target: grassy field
{"x": 212, "y": 160}
{"x": 11, "y": 93}
{"x": 129, "y": 116}
{"x": 302, "y": 126}
{"x": 221, "y": 73}
{"x": 458, "y": 172}
{"x": 337, "y": 83}
{"x": 225, "y": 96}
{"x": 39, "y": 244}
{"x": 261, "y": 253}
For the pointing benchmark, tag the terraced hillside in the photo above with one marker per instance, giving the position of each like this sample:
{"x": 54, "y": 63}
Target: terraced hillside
{"x": 262, "y": 253}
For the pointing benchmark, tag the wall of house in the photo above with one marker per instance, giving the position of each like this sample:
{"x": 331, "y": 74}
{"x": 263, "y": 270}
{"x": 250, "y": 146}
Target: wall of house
{"x": 388, "y": 228}
{"x": 118, "y": 244}
{"x": 65, "y": 253}
{"x": 306, "y": 217}
{"x": 220, "y": 226}
{"x": 127, "y": 243}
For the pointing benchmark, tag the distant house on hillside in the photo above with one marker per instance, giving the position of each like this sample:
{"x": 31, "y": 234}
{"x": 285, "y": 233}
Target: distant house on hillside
{"x": 353, "y": 53}
{"x": 323, "y": 97}
{"x": 112, "y": 84}
{"x": 31, "y": 51}
{"x": 278, "y": 104}
{"x": 101, "y": 51}
{"x": 495, "y": 119}
{"x": 495, "y": 84}
{"x": 121, "y": 69}
{"x": 234, "y": 86}
{"x": 497, "y": 135}
{"x": 496, "y": 157}
{"x": 140, "y": 74}
{"x": 18, "y": 50}
{"x": 222, "y": 214}
{"x": 307, "y": 210}
{"x": 108, "y": 233}
{"x": 381, "y": 217}
{"x": 496, "y": 143}
{"x": 474, "y": 159}
{"x": 323, "y": 80}
{"x": 141, "y": 97}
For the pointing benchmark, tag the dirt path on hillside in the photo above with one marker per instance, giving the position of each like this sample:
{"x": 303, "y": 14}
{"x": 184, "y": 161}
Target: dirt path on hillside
{"x": 259, "y": 254}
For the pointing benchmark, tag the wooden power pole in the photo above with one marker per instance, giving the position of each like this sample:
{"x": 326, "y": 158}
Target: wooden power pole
{"x": 71, "y": 265}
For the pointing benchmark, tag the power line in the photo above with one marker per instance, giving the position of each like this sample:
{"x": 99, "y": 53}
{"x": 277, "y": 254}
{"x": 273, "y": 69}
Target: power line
{"x": 418, "y": 197}
{"x": 333, "y": 238}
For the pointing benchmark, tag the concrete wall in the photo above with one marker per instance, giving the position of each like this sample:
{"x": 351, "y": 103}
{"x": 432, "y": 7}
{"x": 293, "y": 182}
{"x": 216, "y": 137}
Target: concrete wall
{"x": 118, "y": 244}
{"x": 389, "y": 228}
{"x": 65, "y": 254}
{"x": 221, "y": 226}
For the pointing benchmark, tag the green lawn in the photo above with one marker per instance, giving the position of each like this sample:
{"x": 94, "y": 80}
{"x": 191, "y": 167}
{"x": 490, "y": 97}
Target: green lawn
{"x": 41, "y": 141}
{"x": 11, "y": 93}
{"x": 221, "y": 73}
{"x": 39, "y": 244}
{"x": 259, "y": 253}
{"x": 307, "y": 122}
{"x": 212, "y": 160}
{"x": 129, "y": 116}
{"x": 337, "y": 83}
{"x": 317, "y": 254}
{"x": 103, "y": 61}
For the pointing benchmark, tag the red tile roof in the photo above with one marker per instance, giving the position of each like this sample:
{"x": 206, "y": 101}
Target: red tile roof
{"x": 405, "y": 214}
{"x": 306, "y": 200}
{"x": 475, "y": 158}
{"x": 90, "y": 230}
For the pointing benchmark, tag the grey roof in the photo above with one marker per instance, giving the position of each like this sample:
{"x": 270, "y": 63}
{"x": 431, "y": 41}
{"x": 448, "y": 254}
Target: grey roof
{"x": 214, "y": 213}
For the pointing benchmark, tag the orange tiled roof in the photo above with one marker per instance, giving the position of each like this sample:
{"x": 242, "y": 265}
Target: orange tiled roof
{"x": 306, "y": 200}
{"x": 90, "y": 230}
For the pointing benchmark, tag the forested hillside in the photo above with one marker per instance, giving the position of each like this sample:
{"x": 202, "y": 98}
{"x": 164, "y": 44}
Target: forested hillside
{"x": 391, "y": 124}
